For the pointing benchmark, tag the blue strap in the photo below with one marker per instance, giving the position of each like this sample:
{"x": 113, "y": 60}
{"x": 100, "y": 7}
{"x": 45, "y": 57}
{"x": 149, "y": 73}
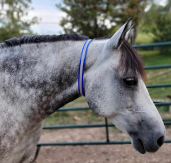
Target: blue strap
{"x": 81, "y": 67}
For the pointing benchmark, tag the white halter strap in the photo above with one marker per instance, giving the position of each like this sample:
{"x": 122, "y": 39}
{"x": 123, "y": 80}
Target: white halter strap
{"x": 81, "y": 67}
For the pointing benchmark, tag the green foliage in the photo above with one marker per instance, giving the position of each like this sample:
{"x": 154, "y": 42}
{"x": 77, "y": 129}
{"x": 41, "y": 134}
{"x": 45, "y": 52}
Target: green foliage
{"x": 158, "y": 21}
{"x": 144, "y": 38}
{"x": 13, "y": 22}
{"x": 88, "y": 17}
{"x": 98, "y": 18}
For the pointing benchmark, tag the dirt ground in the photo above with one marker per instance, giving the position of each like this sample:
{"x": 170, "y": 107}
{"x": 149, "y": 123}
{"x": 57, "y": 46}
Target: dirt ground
{"x": 96, "y": 153}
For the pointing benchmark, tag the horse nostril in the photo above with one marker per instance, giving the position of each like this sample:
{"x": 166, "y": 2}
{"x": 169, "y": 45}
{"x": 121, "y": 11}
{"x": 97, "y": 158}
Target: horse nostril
{"x": 160, "y": 141}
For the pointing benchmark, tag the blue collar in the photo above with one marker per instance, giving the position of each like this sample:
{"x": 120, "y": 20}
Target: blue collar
{"x": 81, "y": 67}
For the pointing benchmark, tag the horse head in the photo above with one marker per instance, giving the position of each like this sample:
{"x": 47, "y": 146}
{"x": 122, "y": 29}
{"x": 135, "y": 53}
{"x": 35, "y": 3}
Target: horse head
{"x": 114, "y": 88}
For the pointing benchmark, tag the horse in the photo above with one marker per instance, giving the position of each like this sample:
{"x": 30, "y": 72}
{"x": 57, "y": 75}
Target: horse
{"x": 39, "y": 74}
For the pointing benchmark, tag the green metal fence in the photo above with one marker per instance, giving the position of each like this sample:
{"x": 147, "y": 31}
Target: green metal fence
{"x": 106, "y": 125}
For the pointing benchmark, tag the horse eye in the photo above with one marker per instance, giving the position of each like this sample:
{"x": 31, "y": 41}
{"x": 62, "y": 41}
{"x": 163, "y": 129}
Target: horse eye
{"x": 130, "y": 81}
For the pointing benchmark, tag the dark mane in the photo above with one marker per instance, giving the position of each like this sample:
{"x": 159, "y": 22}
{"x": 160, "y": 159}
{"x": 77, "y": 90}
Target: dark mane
{"x": 131, "y": 62}
{"x": 41, "y": 38}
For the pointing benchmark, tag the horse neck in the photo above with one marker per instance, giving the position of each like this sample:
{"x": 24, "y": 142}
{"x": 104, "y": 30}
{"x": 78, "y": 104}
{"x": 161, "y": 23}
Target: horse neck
{"x": 55, "y": 76}
{"x": 67, "y": 56}
{"x": 68, "y": 63}
{"x": 65, "y": 72}
{"x": 43, "y": 76}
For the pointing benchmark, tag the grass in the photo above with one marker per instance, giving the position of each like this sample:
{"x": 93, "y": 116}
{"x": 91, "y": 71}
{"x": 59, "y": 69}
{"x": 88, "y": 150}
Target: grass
{"x": 154, "y": 57}
{"x": 158, "y": 76}
{"x": 161, "y": 76}
{"x": 144, "y": 38}
{"x": 73, "y": 117}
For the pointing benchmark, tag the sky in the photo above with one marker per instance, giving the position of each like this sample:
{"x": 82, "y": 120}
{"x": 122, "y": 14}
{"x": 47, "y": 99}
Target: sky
{"x": 50, "y": 16}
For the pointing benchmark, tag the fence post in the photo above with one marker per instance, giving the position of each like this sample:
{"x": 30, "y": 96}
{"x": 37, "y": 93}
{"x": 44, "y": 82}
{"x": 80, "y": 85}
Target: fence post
{"x": 36, "y": 154}
{"x": 107, "y": 132}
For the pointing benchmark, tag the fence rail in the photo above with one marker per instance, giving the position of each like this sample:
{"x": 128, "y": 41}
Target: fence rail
{"x": 157, "y": 67}
{"x": 106, "y": 125}
{"x": 158, "y": 44}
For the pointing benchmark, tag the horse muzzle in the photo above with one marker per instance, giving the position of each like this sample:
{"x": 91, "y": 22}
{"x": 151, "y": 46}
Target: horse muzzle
{"x": 149, "y": 143}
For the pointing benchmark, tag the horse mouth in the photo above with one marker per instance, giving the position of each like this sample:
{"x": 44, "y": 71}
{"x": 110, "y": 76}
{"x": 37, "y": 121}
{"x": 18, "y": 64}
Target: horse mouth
{"x": 138, "y": 145}
{"x": 143, "y": 145}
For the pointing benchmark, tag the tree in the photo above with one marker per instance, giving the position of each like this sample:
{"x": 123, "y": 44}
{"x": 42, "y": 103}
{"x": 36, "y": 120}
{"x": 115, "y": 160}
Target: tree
{"x": 13, "y": 21}
{"x": 98, "y": 18}
{"x": 158, "y": 21}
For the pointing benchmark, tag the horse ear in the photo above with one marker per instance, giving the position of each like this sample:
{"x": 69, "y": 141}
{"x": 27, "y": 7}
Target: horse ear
{"x": 129, "y": 33}
{"x": 120, "y": 34}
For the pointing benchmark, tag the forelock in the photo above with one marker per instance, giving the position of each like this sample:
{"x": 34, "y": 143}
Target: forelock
{"x": 131, "y": 63}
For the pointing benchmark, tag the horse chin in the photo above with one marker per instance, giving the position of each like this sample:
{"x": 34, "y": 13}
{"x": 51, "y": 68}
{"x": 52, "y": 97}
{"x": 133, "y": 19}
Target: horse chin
{"x": 138, "y": 145}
